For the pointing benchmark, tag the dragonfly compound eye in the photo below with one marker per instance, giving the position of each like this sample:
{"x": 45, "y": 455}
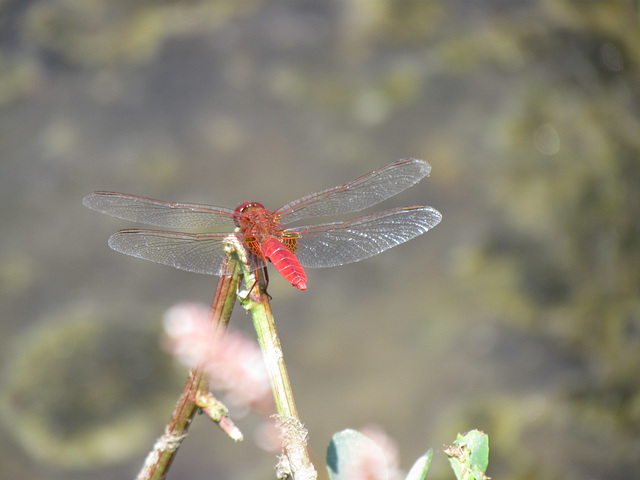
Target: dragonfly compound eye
{"x": 246, "y": 207}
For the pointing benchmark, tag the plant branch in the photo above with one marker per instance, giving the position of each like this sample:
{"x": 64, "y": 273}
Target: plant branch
{"x": 196, "y": 391}
{"x": 294, "y": 462}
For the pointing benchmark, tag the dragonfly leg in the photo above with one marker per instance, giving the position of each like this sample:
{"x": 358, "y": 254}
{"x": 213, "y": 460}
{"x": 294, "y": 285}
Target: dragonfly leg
{"x": 261, "y": 280}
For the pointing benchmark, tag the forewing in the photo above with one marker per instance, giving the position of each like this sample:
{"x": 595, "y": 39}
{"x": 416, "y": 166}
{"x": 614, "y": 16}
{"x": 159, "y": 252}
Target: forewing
{"x": 156, "y": 212}
{"x": 361, "y": 193}
{"x": 338, "y": 243}
{"x": 186, "y": 251}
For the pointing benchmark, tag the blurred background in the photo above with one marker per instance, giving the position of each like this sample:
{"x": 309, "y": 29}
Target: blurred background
{"x": 519, "y": 314}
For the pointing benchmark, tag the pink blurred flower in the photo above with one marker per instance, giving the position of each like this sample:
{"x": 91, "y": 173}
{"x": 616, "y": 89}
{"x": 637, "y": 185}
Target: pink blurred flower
{"x": 232, "y": 362}
{"x": 267, "y": 436}
{"x": 378, "y": 461}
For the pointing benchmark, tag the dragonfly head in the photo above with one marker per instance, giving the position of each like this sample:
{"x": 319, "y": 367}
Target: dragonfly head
{"x": 245, "y": 208}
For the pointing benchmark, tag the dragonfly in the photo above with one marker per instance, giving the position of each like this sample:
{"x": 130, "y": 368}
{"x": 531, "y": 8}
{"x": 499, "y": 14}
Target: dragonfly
{"x": 260, "y": 232}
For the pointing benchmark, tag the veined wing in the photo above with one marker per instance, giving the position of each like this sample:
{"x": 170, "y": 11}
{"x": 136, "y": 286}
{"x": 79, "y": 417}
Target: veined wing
{"x": 358, "y": 194}
{"x": 338, "y": 243}
{"x": 156, "y": 212}
{"x": 187, "y": 251}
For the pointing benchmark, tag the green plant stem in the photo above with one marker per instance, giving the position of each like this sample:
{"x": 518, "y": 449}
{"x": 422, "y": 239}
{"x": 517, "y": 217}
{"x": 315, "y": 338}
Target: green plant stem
{"x": 295, "y": 460}
{"x": 196, "y": 393}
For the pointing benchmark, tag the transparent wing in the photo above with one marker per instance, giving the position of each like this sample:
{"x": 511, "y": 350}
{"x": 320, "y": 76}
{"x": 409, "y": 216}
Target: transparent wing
{"x": 338, "y": 243}
{"x": 156, "y": 212}
{"x": 361, "y": 193}
{"x": 186, "y": 251}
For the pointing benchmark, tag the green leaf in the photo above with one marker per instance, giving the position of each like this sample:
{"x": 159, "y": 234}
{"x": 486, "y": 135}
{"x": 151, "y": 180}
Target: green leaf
{"x": 352, "y": 454}
{"x": 421, "y": 467}
{"x": 469, "y": 455}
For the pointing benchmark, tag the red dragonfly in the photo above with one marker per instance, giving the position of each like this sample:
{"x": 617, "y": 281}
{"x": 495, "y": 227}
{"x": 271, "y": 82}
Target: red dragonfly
{"x": 289, "y": 249}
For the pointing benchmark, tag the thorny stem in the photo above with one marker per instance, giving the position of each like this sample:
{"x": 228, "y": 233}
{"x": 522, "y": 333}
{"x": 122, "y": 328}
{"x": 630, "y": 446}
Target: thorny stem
{"x": 295, "y": 462}
{"x": 196, "y": 391}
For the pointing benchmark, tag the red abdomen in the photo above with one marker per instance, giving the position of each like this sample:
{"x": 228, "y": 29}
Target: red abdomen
{"x": 285, "y": 262}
